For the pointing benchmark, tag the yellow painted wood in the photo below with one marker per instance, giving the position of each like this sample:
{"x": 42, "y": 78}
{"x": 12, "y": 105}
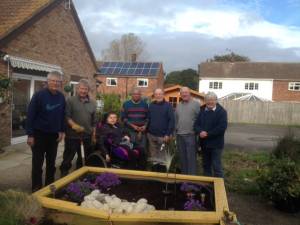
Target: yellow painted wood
{"x": 155, "y": 217}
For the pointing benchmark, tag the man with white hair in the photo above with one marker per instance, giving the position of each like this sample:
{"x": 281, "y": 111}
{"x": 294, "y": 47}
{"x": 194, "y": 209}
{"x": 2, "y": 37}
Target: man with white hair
{"x": 45, "y": 128}
{"x": 210, "y": 126}
{"x": 186, "y": 113}
{"x": 81, "y": 126}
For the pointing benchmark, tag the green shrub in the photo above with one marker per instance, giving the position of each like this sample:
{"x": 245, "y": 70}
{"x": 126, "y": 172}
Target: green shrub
{"x": 279, "y": 179}
{"x": 112, "y": 102}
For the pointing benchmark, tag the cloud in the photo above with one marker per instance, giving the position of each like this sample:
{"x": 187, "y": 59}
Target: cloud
{"x": 183, "y": 33}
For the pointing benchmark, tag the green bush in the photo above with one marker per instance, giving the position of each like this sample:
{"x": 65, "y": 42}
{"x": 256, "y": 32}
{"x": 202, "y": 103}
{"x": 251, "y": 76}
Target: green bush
{"x": 112, "y": 102}
{"x": 279, "y": 179}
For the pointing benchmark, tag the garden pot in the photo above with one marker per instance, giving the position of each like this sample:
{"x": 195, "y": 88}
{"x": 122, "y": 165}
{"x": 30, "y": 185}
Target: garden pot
{"x": 62, "y": 211}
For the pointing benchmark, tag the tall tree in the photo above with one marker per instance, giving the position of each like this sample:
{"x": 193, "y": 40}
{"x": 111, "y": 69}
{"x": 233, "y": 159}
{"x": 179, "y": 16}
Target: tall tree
{"x": 122, "y": 49}
{"x": 188, "y": 77}
{"x": 231, "y": 57}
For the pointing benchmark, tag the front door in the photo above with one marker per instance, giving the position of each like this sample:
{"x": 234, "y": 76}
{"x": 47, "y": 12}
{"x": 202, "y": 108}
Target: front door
{"x": 24, "y": 87}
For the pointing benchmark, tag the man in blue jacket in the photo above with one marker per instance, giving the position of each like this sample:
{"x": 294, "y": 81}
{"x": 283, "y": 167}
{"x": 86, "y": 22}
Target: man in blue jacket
{"x": 210, "y": 126}
{"x": 45, "y": 128}
{"x": 161, "y": 124}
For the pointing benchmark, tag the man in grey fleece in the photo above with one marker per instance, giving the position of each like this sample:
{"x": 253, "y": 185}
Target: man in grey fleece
{"x": 186, "y": 114}
{"x": 81, "y": 126}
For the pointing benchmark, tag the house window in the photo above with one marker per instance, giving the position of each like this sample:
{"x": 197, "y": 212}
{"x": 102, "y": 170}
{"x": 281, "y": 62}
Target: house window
{"x": 294, "y": 86}
{"x": 142, "y": 82}
{"x": 251, "y": 86}
{"x": 215, "y": 85}
{"x": 173, "y": 101}
{"x": 111, "y": 81}
{"x": 73, "y": 85}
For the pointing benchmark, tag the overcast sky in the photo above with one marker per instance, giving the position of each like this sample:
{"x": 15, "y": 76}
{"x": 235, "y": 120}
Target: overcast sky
{"x": 183, "y": 33}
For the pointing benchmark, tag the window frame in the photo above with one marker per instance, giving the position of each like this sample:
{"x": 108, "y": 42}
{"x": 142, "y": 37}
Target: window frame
{"x": 144, "y": 80}
{"x": 293, "y": 85}
{"x": 215, "y": 85}
{"x": 251, "y": 86}
{"x": 109, "y": 79}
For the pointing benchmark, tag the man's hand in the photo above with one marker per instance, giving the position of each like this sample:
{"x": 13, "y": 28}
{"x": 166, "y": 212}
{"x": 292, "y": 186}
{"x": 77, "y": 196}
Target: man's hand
{"x": 61, "y": 136}
{"x": 30, "y": 141}
{"x": 135, "y": 127}
{"x": 107, "y": 158}
{"x": 142, "y": 129}
{"x": 94, "y": 139}
{"x": 203, "y": 134}
{"x": 166, "y": 139}
{"x": 77, "y": 128}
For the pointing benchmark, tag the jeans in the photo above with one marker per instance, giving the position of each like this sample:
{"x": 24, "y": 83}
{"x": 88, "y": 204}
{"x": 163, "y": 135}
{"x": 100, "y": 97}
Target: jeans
{"x": 45, "y": 146}
{"x": 212, "y": 162}
{"x": 186, "y": 145}
{"x": 72, "y": 146}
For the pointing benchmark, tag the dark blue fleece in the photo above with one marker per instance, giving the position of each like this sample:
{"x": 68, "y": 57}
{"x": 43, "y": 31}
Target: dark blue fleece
{"x": 46, "y": 112}
{"x": 161, "y": 119}
{"x": 214, "y": 123}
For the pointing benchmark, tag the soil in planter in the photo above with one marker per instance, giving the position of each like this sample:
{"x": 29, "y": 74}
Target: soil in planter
{"x": 154, "y": 191}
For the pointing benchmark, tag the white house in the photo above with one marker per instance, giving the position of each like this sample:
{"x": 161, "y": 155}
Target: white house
{"x": 270, "y": 81}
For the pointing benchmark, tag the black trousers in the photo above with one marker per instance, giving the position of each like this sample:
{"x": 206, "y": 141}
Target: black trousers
{"x": 45, "y": 146}
{"x": 72, "y": 146}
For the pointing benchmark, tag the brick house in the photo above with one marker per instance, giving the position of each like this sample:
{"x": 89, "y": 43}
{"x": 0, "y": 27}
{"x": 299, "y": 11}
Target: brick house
{"x": 36, "y": 37}
{"x": 267, "y": 80}
{"x": 121, "y": 77}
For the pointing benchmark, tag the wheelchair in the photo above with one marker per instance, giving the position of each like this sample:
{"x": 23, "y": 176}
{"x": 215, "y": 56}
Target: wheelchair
{"x": 120, "y": 158}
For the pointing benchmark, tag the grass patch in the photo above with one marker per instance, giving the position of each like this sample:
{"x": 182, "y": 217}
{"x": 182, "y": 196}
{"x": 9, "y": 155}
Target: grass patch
{"x": 241, "y": 170}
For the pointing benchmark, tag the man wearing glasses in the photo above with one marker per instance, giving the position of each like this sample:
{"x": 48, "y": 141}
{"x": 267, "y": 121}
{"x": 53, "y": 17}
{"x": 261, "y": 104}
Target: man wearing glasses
{"x": 45, "y": 128}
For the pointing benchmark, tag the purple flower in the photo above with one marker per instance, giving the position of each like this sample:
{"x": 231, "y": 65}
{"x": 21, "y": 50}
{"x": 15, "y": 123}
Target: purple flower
{"x": 192, "y": 205}
{"x": 77, "y": 190}
{"x": 186, "y": 187}
{"x": 107, "y": 180}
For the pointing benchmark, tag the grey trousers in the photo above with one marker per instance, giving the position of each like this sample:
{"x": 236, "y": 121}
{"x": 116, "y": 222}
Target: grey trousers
{"x": 186, "y": 145}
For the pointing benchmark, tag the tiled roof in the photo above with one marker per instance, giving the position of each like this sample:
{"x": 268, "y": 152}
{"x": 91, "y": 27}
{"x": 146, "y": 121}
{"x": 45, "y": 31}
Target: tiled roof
{"x": 13, "y": 13}
{"x": 256, "y": 70}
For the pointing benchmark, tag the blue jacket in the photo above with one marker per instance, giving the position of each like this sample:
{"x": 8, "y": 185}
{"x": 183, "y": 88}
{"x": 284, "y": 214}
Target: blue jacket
{"x": 46, "y": 112}
{"x": 214, "y": 123}
{"x": 161, "y": 119}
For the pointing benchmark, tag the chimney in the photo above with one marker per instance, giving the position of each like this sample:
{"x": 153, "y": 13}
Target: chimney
{"x": 133, "y": 57}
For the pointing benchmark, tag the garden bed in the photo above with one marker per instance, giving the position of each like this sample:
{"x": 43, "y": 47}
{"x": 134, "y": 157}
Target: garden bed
{"x": 166, "y": 192}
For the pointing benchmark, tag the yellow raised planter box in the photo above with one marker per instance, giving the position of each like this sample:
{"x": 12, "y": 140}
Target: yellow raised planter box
{"x": 70, "y": 213}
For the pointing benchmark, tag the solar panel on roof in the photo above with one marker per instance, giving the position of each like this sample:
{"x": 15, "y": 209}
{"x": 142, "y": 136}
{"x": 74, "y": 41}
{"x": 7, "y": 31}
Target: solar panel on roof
{"x": 110, "y": 70}
{"x": 140, "y": 65}
{"x": 147, "y": 65}
{"x": 117, "y": 70}
{"x": 153, "y": 71}
{"x": 154, "y": 65}
{"x": 105, "y": 64}
{"x": 124, "y": 71}
{"x": 113, "y": 64}
{"x": 138, "y": 71}
{"x": 131, "y": 71}
{"x": 126, "y": 65}
{"x": 103, "y": 70}
{"x": 145, "y": 71}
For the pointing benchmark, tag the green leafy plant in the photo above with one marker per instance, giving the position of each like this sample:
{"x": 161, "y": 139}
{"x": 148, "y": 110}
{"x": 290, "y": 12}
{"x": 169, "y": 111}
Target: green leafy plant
{"x": 18, "y": 208}
{"x": 112, "y": 102}
{"x": 279, "y": 179}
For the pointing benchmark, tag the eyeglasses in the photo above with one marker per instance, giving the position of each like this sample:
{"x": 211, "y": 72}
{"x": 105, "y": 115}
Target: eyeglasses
{"x": 54, "y": 81}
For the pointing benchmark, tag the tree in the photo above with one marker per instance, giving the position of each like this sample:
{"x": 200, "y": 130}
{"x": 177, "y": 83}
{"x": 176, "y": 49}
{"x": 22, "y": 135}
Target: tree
{"x": 231, "y": 57}
{"x": 188, "y": 78}
{"x": 122, "y": 49}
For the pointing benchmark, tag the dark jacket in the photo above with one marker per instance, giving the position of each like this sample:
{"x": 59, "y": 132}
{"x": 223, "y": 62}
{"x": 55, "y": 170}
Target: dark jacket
{"x": 108, "y": 136}
{"x": 46, "y": 112}
{"x": 161, "y": 119}
{"x": 214, "y": 123}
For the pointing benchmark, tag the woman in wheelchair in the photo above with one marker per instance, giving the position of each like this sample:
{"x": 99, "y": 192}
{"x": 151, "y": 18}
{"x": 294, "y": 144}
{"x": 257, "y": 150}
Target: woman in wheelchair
{"x": 115, "y": 145}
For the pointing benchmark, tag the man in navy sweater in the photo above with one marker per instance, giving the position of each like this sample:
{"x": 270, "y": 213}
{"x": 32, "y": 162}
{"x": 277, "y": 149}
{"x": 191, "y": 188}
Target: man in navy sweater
{"x": 161, "y": 124}
{"x": 210, "y": 126}
{"x": 45, "y": 129}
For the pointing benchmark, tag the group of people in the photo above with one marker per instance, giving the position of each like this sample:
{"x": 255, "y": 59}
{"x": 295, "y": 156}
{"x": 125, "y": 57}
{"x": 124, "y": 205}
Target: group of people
{"x": 137, "y": 136}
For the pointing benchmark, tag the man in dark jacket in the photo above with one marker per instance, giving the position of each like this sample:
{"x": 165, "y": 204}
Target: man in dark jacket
{"x": 210, "y": 126}
{"x": 161, "y": 124}
{"x": 45, "y": 128}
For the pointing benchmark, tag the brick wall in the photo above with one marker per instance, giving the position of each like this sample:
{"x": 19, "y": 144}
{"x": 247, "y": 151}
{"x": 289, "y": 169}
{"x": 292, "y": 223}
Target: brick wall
{"x": 55, "y": 39}
{"x": 281, "y": 92}
{"x": 125, "y": 85}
